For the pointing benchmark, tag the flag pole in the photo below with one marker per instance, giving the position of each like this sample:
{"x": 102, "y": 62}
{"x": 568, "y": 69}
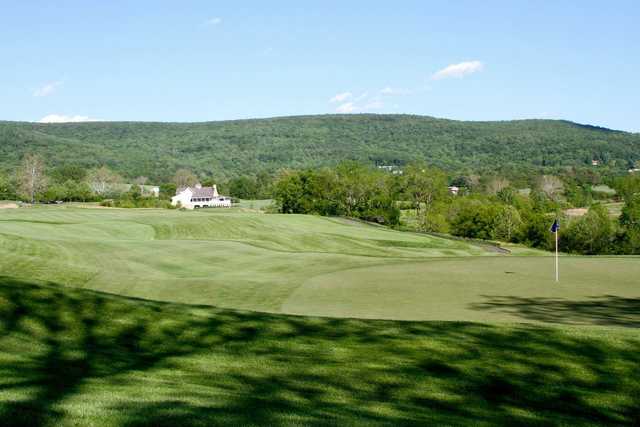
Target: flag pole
{"x": 556, "y": 233}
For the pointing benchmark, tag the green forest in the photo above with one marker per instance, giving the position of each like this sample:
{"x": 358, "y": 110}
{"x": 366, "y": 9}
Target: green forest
{"x": 227, "y": 149}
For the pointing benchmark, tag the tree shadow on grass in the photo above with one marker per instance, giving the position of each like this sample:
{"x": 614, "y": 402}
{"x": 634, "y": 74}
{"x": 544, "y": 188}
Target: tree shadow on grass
{"x": 171, "y": 364}
{"x": 607, "y": 310}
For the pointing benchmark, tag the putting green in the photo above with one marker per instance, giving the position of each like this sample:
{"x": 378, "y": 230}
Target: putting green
{"x": 498, "y": 289}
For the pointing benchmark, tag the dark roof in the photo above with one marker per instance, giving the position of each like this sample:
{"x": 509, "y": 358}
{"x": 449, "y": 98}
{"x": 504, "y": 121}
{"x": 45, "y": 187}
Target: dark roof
{"x": 202, "y": 192}
{"x": 198, "y": 192}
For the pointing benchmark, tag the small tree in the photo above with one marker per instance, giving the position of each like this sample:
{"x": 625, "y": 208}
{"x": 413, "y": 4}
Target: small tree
{"x": 591, "y": 234}
{"x": 31, "y": 178}
{"x": 507, "y": 223}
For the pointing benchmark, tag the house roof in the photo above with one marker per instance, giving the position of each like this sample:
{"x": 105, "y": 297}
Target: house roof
{"x": 207, "y": 192}
{"x": 202, "y": 192}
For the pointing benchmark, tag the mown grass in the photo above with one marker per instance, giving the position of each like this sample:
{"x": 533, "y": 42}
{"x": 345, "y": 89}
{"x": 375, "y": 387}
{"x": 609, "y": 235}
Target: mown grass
{"x": 479, "y": 289}
{"x": 70, "y": 355}
{"x": 221, "y": 257}
{"x": 77, "y": 357}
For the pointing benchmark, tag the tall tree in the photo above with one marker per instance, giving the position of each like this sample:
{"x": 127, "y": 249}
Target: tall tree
{"x": 184, "y": 178}
{"x": 551, "y": 185}
{"x": 7, "y": 190}
{"x": 31, "y": 177}
{"x": 102, "y": 180}
{"x": 507, "y": 222}
{"x": 425, "y": 186}
{"x": 354, "y": 184}
{"x": 67, "y": 172}
{"x": 496, "y": 185}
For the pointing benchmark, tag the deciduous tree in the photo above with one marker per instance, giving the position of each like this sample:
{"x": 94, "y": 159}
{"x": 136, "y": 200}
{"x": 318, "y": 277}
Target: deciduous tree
{"x": 184, "y": 178}
{"x": 102, "y": 180}
{"x": 31, "y": 177}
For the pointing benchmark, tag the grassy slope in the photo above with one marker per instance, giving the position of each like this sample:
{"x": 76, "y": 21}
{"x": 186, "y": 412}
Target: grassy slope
{"x": 76, "y": 357}
{"x": 235, "y": 147}
{"x": 296, "y": 264}
{"x": 224, "y": 258}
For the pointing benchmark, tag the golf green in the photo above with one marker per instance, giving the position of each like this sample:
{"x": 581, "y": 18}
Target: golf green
{"x": 481, "y": 289}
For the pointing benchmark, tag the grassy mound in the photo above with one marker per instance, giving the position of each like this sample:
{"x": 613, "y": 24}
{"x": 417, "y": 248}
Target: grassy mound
{"x": 223, "y": 258}
{"x": 77, "y": 357}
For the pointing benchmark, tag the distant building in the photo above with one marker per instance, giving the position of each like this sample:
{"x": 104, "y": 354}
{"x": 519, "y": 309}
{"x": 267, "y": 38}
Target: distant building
{"x": 200, "y": 197}
{"x": 634, "y": 170}
{"x": 454, "y": 190}
{"x": 595, "y": 162}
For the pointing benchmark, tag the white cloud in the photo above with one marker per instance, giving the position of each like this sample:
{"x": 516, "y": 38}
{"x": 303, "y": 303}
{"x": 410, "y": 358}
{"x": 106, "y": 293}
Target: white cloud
{"x": 341, "y": 97}
{"x": 47, "y": 89}
{"x": 459, "y": 70}
{"x": 352, "y": 107}
{"x": 213, "y": 21}
{"x": 390, "y": 91}
{"x": 59, "y": 118}
{"x": 347, "y": 107}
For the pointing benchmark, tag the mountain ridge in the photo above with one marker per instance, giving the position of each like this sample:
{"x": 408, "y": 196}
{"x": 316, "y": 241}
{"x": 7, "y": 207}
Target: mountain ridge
{"x": 233, "y": 147}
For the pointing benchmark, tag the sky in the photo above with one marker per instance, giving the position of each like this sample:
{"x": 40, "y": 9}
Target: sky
{"x": 194, "y": 61}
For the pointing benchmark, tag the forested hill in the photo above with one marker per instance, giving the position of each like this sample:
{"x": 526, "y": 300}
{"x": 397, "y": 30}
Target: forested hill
{"x": 229, "y": 148}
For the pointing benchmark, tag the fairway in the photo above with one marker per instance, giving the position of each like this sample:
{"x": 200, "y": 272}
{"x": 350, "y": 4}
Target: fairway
{"x": 300, "y": 264}
{"x": 218, "y": 257}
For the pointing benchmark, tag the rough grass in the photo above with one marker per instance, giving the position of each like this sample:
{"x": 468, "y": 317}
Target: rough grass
{"x": 76, "y": 357}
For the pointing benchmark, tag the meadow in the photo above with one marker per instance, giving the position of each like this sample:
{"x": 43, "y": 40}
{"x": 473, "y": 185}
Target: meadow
{"x": 160, "y": 317}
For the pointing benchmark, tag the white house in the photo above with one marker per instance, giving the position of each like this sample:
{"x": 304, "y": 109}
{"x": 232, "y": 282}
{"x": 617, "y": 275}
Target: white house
{"x": 200, "y": 197}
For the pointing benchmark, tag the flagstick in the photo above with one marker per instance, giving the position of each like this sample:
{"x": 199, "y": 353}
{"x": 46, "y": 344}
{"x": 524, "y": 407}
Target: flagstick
{"x": 556, "y": 233}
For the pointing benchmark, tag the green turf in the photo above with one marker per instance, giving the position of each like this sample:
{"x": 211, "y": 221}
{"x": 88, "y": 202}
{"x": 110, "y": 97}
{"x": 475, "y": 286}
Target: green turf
{"x": 481, "y": 289}
{"x": 225, "y": 258}
{"x": 76, "y": 357}
{"x": 520, "y": 349}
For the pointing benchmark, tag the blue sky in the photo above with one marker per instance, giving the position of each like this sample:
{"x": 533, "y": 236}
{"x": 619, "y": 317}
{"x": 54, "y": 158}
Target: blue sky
{"x": 197, "y": 61}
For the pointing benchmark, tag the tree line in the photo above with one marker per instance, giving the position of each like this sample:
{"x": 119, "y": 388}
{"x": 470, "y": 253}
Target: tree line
{"x": 487, "y": 207}
{"x": 35, "y": 182}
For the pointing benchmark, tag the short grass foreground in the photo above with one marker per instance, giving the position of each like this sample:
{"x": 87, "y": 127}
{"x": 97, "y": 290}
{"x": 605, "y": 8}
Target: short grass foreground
{"x": 485, "y": 339}
{"x": 77, "y": 357}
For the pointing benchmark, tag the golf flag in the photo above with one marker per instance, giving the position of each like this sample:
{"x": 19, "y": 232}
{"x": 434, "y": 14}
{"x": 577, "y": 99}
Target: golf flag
{"x": 554, "y": 229}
